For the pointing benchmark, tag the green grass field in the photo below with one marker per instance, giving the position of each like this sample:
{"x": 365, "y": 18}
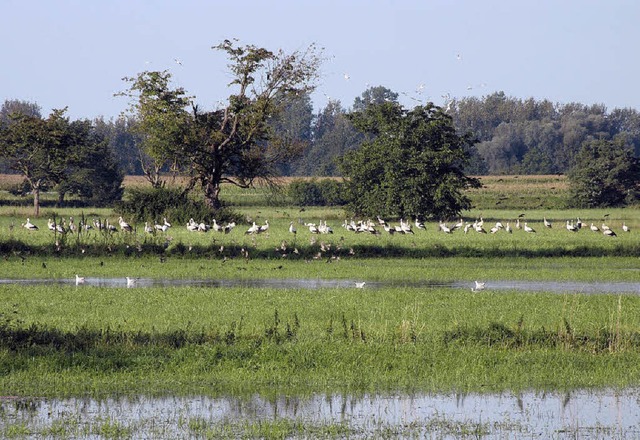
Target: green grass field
{"x": 62, "y": 339}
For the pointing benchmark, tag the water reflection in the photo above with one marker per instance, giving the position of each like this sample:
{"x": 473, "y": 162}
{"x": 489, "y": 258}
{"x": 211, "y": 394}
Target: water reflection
{"x": 316, "y": 283}
{"x": 578, "y": 414}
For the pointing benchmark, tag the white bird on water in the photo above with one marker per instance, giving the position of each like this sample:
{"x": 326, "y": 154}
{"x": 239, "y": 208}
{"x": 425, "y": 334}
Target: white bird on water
{"x": 360, "y": 285}
{"x": 479, "y": 286}
{"x": 79, "y": 280}
{"x": 132, "y": 282}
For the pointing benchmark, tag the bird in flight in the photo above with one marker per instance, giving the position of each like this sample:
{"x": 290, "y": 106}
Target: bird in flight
{"x": 178, "y": 61}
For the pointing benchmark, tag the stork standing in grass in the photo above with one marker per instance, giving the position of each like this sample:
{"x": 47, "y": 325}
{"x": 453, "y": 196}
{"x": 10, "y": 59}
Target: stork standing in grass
{"x": 30, "y": 226}
{"x": 124, "y": 226}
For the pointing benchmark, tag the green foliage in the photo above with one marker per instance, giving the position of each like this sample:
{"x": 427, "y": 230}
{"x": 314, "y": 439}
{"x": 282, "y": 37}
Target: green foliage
{"x": 333, "y": 136}
{"x": 14, "y": 107}
{"x": 144, "y": 204}
{"x": 92, "y": 172}
{"x": 538, "y": 137}
{"x": 162, "y": 122}
{"x": 20, "y": 189}
{"x": 606, "y": 174}
{"x": 324, "y": 192}
{"x": 410, "y": 165}
{"x": 123, "y": 142}
{"x": 37, "y": 149}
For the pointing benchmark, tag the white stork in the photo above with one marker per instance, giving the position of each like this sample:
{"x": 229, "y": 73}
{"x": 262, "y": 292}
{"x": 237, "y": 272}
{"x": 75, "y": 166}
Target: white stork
{"x": 30, "y": 226}
{"x": 571, "y": 227}
{"x": 124, "y": 226}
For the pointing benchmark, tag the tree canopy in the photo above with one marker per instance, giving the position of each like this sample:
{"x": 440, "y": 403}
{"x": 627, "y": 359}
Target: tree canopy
{"x": 410, "y": 164}
{"x": 606, "y": 174}
{"x": 235, "y": 144}
{"x": 161, "y": 122}
{"x": 55, "y": 152}
{"x": 36, "y": 148}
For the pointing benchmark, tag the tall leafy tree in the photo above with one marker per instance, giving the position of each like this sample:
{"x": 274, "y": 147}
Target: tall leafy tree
{"x": 374, "y": 95}
{"x": 237, "y": 144}
{"x": 36, "y": 148}
{"x": 410, "y": 164}
{"x": 124, "y": 142}
{"x": 333, "y": 136}
{"x": 162, "y": 122}
{"x": 92, "y": 172}
{"x": 11, "y": 108}
{"x": 606, "y": 174}
{"x": 294, "y": 124}
{"x": 15, "y": 107}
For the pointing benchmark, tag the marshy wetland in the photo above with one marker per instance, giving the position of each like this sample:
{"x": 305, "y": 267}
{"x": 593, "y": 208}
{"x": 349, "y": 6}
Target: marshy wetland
{"x": 267, "y": 336}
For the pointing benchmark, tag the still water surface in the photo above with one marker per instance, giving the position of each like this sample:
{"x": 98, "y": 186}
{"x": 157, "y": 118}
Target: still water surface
{"x": 297, "y": 283}
{"x": 578, "y": 414}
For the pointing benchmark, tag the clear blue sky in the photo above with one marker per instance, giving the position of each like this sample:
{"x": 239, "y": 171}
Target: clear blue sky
{"x": 75, "y": 52}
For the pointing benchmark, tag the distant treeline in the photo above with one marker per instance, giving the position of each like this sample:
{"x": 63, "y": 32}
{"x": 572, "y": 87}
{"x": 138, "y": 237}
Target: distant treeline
{"x": 514, "y": 136}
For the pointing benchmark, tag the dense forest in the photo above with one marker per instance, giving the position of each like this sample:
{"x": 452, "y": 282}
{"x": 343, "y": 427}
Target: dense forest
{"x": 514, "y": 136}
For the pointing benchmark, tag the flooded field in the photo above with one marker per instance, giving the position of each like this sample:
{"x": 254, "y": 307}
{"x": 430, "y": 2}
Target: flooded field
{"x": 577, "y": 414}
{"x": 296, "y": 283}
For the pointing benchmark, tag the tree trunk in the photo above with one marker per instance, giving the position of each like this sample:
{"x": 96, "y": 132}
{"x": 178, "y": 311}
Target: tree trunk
{"x": 60, "y": 203}
{"x": 36, "y": 201}
{"x": 212, "y": 195}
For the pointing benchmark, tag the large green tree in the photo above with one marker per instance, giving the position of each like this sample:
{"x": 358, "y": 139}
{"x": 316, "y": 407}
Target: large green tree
{"x": 237, "y": 143}
{"x": 606, "y": 174}
{"x": 10, "y": 110}
{"x": 333, "y": 136}
{"x": 294, "y": 123}
{"x": 162, "y": 122}
{"x": 36, "y": 148}
{"x": 14, "y": 107}
{"x": 124, "y": 142}
{"x": 92, "y": 172}
{"x": 410, "y": 164}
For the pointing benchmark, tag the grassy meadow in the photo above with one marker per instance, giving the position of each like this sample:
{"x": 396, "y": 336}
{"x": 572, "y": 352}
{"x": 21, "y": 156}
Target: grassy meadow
{"x": 60, "y": 339}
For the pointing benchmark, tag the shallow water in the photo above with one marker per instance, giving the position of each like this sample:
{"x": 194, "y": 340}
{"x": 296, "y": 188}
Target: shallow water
{"x": 296, "y": 283}
{"x": 578, "y": 414}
